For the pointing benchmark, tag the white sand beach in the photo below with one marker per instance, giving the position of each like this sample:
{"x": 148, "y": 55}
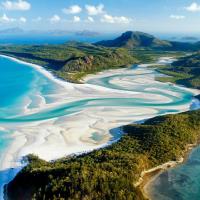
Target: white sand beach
{"x": 75, "y": 133}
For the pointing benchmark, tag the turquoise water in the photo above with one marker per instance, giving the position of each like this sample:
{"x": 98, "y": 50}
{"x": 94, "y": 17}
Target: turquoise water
{"x": 13, "y": 85}
{"x": 180, "y": 183}
{"x": 23, "y": 88}
{"x": 184, "y": 97}
{"x": 20, "y": 86}
{"x": 96, "y": 137}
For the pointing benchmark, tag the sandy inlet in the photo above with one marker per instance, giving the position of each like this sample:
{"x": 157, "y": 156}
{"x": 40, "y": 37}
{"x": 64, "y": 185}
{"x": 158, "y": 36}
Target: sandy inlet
{"x": 82, "y": 117}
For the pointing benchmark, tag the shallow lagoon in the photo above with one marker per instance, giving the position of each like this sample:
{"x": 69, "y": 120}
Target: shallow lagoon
{"x": 40, "y": 114}
{"x": 179, "y": 183}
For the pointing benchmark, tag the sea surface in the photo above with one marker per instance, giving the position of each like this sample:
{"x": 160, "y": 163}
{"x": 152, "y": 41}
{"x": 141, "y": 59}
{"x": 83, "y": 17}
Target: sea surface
{"x": 23, "y": 88}
{"x": 179, "y": 183}
{"x": 60, "y": 39}
{"x": 52, "y": 39}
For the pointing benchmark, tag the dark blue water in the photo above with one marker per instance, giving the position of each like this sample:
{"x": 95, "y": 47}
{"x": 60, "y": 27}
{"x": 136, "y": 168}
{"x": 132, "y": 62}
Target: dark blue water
{"x": 59, "y": 39}
{"x": 50, "y": 39}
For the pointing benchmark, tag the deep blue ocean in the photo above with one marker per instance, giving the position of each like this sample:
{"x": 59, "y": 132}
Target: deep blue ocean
{"x": 59, "y": 39}
{"x": 50, "y": 39}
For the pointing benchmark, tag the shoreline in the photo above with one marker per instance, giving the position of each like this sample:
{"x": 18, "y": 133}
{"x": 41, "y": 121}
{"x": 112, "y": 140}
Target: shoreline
{"x": 149, "y": 176}
{"x": 22, "y": 144}
{"x": 47, "y": 73}
{"x": 39, "y": 68}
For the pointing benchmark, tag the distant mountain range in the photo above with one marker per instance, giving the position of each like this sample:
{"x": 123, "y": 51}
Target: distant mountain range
{"x": 19, "y": 31}
{"x": 131, "y": 40}
{"x": 87, "y": 33}
{"x": 11, "y": 31}
{"x": 190, "y": 38}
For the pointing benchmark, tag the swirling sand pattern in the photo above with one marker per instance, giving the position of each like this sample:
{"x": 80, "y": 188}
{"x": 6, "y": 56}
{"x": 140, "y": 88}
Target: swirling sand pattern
{"x": 57, "y": 118}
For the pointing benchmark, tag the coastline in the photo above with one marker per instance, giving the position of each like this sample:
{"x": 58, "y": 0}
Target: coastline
{"x": 148, "y": 176}
{"x": 23, "y": 141}
{"x": 39, "y": 68}
{"x": 11, "y": 162}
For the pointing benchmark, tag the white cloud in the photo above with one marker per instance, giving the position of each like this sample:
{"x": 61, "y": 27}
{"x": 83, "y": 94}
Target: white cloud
{"x": 90, "y": 19}
{"x": 76, "y": 19}
{"x": 23, "y": 19}
{"x": 72, "y": 9}
{"x": 177, "y": 17}
{"x": 115, "y": 20}
{"x": 16, "y": 5}
{"x": 95, "y": 10}
{"x": 194, "y": 7}
{"x": 6, "y": 19}
{"x": 55, "y": 19}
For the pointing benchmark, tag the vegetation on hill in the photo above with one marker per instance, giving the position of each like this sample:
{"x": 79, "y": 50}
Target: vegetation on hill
{"x": 73, "y": 60}
{"x": 131, "y": 39}
{"x": 185, "y": 71}
{"x": 135, "y": 40}
{"x": 108, "y": 173}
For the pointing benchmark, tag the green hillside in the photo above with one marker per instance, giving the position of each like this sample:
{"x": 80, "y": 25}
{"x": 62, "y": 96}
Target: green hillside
{"x": 73, "y": 60}
{"x": 109, "y": 173}
{"x": 136, "y": 39}
{"x": 185, "y": 71}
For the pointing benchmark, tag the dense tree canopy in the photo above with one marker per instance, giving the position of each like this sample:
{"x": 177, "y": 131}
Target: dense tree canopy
{"x": 72, "y": 60}
{"x": 185, "y": 71}
{"x": 109, "y": 173}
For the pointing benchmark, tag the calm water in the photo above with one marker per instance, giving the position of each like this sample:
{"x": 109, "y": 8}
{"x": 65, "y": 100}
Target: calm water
{"x": 59, "y": 39}
{"x": 23, "y": 88}
{"x": 180, "y": 183}
{"x": 50, "y": 39}
{"x": 34, "y": 85}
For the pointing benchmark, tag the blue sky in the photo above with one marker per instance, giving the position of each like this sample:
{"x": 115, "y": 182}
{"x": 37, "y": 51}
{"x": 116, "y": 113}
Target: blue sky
{"x": 102, "y": 15}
